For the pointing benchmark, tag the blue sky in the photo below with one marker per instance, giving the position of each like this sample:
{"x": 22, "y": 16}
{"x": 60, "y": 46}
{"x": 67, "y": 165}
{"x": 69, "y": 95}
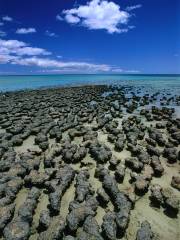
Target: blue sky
{"x": 95, "y": 36}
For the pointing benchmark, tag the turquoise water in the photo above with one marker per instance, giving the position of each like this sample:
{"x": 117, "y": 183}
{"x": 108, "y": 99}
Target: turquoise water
{"x": 158, "y": 82}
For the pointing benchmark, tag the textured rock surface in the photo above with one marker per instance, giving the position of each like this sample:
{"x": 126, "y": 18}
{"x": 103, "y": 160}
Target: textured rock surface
{"x": 89, "y": 163}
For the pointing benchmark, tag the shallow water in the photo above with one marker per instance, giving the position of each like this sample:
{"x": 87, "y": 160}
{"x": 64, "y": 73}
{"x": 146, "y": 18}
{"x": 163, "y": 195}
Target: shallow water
{"x": 158, "y": 82}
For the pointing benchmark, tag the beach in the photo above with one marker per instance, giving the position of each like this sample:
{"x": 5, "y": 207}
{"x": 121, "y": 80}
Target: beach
{"x": 90, "y": 162}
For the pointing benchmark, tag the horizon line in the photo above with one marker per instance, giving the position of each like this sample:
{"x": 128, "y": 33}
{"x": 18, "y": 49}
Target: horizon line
{"x": 133, "y": 74}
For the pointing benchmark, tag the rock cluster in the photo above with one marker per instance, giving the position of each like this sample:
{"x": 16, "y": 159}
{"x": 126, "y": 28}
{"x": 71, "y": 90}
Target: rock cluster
{"x": 74, "y": 161}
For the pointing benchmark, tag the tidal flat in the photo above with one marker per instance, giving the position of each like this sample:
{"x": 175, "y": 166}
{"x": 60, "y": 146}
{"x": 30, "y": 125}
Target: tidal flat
{"x": 89, "y": 163}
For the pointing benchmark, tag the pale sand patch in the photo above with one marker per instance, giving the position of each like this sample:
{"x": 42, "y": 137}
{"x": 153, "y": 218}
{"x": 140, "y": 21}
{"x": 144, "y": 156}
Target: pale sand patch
{"x": 2, "y": 130}
{"x": 90, "y": 125}
{"x": 41, "y": 165}
{"x": 28, "y": 144}
{"x": 94, "y": 181}
{"x": 20, "y": 199}
{"x": 51, "y": 141}
{"x": 165, "y": 227}
{"x": 43, "y": 202}
{"x": 34, "y": 236}
{"x": 99, "y": 215}
{"x": 78, "y": 140}
{"x": 66, "y": 199}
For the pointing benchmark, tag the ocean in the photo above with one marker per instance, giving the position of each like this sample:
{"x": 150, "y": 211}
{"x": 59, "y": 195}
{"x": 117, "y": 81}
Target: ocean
{"x": 169, "y": 83}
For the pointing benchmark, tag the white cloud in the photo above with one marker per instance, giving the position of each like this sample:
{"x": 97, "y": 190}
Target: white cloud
{"x": 1, "y": 23}
{"x": 72, "y": 19}
{"x": 25, "y": 30}
{"x": 98, "y": 14}
{"x": 10, "y": 44}
{"x": 59, "y": 18}
{"x": 132, "y": 71}
{"x": 7, "y": 19}
{"x": 68, "y": 66}
{"x": 15, "y": 47}
{"x": 131, "y": 27}
{"x": 2, "y": 34}
{"x": 16, "y": 52}
{"x": 131, "y": 8}
{"x": 67, "y": 70}
{"x": 50, "y": 34}
{"x": 31, "y": 51}
{"x": 6, "y": 58}
{"x": 117, "y": 70}
{"x": 20, "y": 53}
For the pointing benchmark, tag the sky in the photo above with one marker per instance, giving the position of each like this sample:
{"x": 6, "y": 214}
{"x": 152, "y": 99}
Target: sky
{"x": 94, "y": 36}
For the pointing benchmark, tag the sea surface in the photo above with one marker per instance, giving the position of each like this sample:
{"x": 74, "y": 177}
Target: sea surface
{"x": 169, "y": 83}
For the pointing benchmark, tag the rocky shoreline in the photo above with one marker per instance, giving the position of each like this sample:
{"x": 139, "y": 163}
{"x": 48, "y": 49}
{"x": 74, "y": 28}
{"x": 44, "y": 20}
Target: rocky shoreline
{"x": 92, "y": 162}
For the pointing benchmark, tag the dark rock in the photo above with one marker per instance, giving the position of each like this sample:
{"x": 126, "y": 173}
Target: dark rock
{"x": 90, "y": 230}
{"x": 82, "y": 185}
{"x": 109, "y": 226}
{"x": 80, "y": 154}
{"x": 113, "y": 163}
{"x": 44, "y": 220}
{"x": 134, "y": 164}
{"x": 17, "y": 230}
{"x": 151, "y": 142}
{"x": 40, "y": 139}
{"x": 120, "y": 201}
{"x": 6, "y": 214}
{"x": 55, "y": 229}
{"x": 145, "y": 232}
{"x": 119, "y": 145}
{"x": 171, "y": 201}
{"x": 36, "y": 179}
{"x": 156, "y": 195}
{"x": 65, "y": 176}
{"x": 157, "y": 166}
{"x": 176, "y": 182}
{"x": 141, "y": 186}
{"x": 144, "y": 157}
{"x": 153, "y": 151}
{"x": 13, "y": 186}
{"x": 101, "y": 153}
{"x": 120, "y": 172}
{"x": 170, "y": 154}
{"x": 102, "y": 196}
{"x": 77, "y": 215}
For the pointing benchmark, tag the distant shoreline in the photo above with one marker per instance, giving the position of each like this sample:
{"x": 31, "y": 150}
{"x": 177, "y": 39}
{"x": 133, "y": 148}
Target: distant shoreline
{"x": 91, "y": 74}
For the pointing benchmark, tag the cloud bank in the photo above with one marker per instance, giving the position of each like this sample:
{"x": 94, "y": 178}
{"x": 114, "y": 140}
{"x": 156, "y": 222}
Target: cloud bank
{"x": 16, "y": 52}
{"x": 25, "y": 30}
{"x": 20, "y": 53}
